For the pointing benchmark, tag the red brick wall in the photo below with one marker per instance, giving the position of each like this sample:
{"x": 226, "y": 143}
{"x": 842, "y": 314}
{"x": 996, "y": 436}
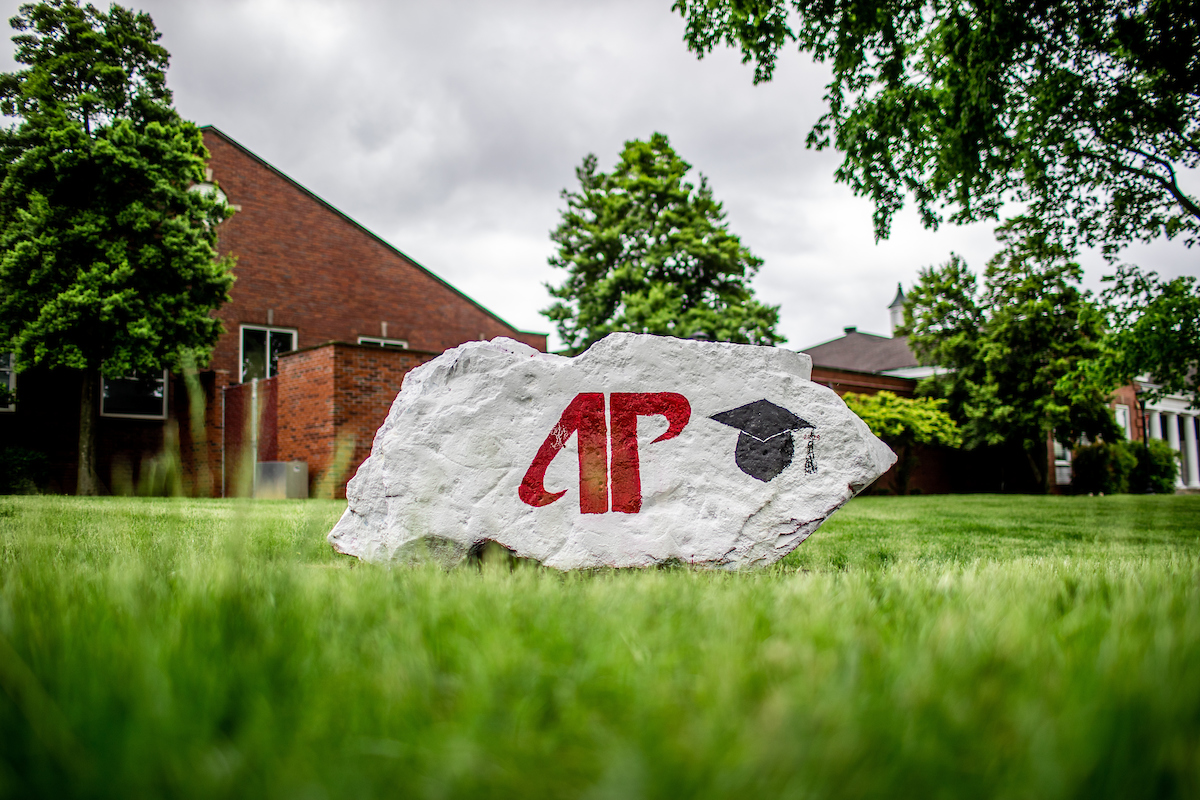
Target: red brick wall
{"x": 238, "y": 448}
{"x": 368, "y": 380}
{"x": 335, "y": 397}
{"x": 843, "y": 380}
{"x": 201, "y": 447}
{"x": 323, "y": 275}
{"x": 46, "y": 420}
{"x": 1127, "y": 396}
{"x": 305, "y": 407}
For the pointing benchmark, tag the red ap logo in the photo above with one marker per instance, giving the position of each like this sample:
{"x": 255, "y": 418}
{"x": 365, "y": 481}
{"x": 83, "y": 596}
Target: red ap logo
{"x": 585, "y": 418}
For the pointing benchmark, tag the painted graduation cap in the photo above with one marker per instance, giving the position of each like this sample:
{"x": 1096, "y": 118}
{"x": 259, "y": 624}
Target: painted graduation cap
{"x": 765, "y": 447}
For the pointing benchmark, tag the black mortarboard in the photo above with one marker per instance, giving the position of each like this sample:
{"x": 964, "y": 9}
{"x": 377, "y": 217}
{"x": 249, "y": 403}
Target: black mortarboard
{"x": 762, "y": 419}
{"x": 762, "y": 450}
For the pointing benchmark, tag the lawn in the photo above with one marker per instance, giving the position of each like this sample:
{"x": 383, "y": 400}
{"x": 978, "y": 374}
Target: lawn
{"x": 914, "y": 647}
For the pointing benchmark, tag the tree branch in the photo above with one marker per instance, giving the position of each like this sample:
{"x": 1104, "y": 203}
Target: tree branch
{"x": 1185, "y": 202}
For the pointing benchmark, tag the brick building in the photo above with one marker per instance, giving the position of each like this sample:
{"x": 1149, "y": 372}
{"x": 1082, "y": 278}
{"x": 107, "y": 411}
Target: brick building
{"x": 324, "y": 320}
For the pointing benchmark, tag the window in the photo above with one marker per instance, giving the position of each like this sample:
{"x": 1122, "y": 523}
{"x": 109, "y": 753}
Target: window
{"x": 1062, "y": 465}
{"x": 261, "y": 348}
{"x": 1122, "y": 414}
{"x": 209, "y": 189}
{"x": 8, "y": 382}
{"x": 375, "y": 341}
{"x": 134, "y": 397}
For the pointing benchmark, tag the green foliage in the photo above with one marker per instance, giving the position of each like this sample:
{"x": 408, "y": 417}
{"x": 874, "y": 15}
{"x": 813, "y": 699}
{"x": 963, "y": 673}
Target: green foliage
{"x": 1154, "y": 330}
{"x": 906, "y": 421}
{"x": 1156, "y": 470}
{"x": 1087, "y": 112}
{"x": 1103, "y": 468}
{"x": 646, "y": 251}
{"x": 977, "y": 646}
{"x": 107, "y": 253}
{"x": 1011, "y": 353}
{"x": 22, "y": 470}
{"x": 1125, "y": 466}
{"x": 902, "y": 423}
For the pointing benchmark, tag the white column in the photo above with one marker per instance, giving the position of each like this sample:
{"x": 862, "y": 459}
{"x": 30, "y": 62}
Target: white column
{"x": 1193, "y": 466}
{"x": 1172, "y": 423}
{"x": 1155, "y": 425}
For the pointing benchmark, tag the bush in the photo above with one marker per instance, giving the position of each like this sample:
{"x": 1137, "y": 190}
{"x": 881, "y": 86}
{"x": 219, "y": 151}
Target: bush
{"x": 1126, "y": 467}
{"x": 1103, "y": 468}
{"x": 1156, "y": 470}
{"x": 22, "y": 470}
{"x": 903, "y": 423}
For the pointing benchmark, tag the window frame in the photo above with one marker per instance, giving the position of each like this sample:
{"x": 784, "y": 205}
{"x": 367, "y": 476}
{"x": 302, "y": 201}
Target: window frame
{"x": 268, "y": 329}
{"x": 11, "y": 369}
{"x": 166, "y": 383}
{"x": 1127, "y": 428}
{"x": 383, "y": 343}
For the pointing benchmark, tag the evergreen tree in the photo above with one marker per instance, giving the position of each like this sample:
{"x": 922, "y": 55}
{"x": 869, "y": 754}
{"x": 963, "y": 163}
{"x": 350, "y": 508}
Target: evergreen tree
{"x": 107, "y": 236}
{"x": 646, "y": 251}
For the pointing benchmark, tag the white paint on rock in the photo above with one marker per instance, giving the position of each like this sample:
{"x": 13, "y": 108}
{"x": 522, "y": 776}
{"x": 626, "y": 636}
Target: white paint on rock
{"x": 446, "y": 465}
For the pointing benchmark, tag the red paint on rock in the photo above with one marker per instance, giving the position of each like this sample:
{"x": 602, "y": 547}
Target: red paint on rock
{"x": 626, "y": 467}
{"x": 585, "y": 418}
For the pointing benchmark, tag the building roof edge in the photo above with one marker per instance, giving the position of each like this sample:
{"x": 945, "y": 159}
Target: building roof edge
{"x": 364, "y": 229}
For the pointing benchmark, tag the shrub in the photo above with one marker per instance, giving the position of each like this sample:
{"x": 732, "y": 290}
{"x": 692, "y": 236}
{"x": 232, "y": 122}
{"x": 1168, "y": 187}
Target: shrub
{"x": 1103, "y": 468}
{"x": 22, "y": 470}
{"x": 1156, "y": 470}
{"x": 903, "y": 423}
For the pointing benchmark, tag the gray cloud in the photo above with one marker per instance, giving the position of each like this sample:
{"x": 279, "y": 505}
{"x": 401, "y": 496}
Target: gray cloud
{"x": 450, "y": 129}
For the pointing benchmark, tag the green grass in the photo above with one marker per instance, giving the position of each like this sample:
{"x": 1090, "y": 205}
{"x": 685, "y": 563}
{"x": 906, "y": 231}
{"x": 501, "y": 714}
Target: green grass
{"x": 934, "y": 647}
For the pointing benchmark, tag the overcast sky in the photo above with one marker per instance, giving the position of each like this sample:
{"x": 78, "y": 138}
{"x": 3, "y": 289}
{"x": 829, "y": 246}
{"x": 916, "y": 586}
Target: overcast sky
{"x": 450, "y": 128}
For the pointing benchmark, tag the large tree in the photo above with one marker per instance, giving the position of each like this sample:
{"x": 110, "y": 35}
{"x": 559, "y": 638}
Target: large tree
{"x": 1087, "y": 111}
{"x": 107, "y": 250}
{"x": 1011, "y": 353}
{"x": 646, "y": 251}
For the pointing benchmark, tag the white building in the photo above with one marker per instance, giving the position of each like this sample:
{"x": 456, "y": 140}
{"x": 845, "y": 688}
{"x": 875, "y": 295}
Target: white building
{"x": 1174, "y": 419}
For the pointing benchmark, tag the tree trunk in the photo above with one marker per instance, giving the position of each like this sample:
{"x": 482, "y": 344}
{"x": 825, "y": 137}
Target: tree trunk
{"x": 1041, "y": 475}
{"x": 87, "y": 483}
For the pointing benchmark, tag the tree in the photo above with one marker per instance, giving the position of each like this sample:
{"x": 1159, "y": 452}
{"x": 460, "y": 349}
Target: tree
{"x": 905, "y": 423}
{"x": 646, "y": 251}
{"x": 1086, "y": 111}
{"x": 1011, "y": 354}
{"x": 1154, "y": 330}
{"x": 107, "y": 251}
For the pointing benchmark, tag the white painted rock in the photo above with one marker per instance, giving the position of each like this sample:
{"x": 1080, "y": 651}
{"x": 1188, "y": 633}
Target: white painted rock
{"x": 718, "y": 454}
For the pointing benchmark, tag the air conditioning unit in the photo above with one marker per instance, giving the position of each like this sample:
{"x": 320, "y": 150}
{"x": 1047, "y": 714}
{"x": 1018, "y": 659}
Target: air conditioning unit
{"x": 281, "y": 480}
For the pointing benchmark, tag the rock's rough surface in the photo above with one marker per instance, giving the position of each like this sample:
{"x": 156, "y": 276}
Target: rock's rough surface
{"x": 718, "y": 454}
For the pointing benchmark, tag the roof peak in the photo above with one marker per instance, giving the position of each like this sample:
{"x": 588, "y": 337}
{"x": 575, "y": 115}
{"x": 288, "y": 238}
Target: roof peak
{"x": 386, "y": 244}
{"x": 899, "y": 299}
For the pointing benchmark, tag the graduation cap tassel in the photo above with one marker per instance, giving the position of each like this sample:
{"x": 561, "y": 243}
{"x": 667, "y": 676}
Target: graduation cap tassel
{"x": 810, "y": 458}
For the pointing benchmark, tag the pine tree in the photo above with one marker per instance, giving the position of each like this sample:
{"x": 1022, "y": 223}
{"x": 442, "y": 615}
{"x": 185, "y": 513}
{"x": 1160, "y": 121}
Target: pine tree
{"x": 107, "y": 232}
{"x": 645, "y": 251}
